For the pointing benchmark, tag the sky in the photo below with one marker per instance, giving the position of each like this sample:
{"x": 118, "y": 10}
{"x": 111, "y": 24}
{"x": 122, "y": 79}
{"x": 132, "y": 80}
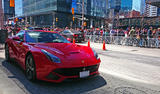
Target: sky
{"x": 136, "y": 4}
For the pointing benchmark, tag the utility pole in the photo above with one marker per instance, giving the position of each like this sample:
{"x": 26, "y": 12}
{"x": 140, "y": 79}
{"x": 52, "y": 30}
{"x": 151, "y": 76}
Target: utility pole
{"x": 82, "y": 14}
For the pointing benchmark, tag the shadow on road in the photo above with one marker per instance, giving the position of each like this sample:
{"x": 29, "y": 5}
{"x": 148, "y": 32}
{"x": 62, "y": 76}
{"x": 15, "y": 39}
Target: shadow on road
{"x": 1, "y": 59}
{"x": 15, "y": 73}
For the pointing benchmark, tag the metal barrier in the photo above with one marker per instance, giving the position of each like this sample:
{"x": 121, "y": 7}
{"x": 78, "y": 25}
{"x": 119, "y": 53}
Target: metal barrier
{"x": 127, "y": 41}
{"x": 3, "y": 36}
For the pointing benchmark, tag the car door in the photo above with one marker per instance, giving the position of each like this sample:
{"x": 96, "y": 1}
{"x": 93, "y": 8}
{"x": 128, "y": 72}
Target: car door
{"x": 18, "y": 44}
{"x": 22, "y": 48}
{"x": 14, "y": 46}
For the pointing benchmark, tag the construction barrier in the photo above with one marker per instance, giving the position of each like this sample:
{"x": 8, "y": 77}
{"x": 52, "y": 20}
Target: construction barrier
{"x": 74, "y": 41}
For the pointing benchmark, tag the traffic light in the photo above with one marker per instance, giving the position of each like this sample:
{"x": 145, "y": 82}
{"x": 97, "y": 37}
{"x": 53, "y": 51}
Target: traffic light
{"x": 12, "y": 3}
{"x": 85, "y": 24}
{"x": 72, "y": 11}
{"x": 16, "y": 19}
{"x": 56, "y": 19}
{"x": 73, "y": 18}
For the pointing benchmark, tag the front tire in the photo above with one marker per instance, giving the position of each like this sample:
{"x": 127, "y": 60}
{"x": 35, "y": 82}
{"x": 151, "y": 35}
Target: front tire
{"x": 30, "y": 68}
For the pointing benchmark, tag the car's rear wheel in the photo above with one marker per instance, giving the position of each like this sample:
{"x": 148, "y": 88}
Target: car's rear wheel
{"x": 30, "y": 68}
{"x": 7, "y": 55}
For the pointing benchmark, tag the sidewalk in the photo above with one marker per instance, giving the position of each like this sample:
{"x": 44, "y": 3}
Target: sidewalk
{"x": 7, "y": 86}
{"x": 126, "y": 49}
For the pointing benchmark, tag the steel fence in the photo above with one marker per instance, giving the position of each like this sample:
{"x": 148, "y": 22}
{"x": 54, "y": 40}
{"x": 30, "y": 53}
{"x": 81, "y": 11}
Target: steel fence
{"x": 127, "y": 41}
{"x": 3, "y": 36}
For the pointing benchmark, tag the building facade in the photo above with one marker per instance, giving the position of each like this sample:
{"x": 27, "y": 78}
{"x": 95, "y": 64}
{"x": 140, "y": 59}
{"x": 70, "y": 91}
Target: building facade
{"x": 115, "y": 4}
{"x": 156, "y": 7}
{"x": 158, "y": 12}
{"x": 142, "y": 7}
{"x": 118, "y": 7}
{"x": 1, "y": 13}
{"x": 126, "y": 5}
{"x": 134, "y": 13}
{"x": 58, "y": 13}
{"x": 18, "y": 8}
{"x": 141, "y": 22}
{"x": 99, "y": 9}
{"x": 8, "y": 10}
{"x": 153, "y": 2}
{"x": 151, "y": 11}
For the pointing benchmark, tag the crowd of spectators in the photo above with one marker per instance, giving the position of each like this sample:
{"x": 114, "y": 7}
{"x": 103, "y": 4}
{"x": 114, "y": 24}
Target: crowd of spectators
{"x": 140, "y": 34}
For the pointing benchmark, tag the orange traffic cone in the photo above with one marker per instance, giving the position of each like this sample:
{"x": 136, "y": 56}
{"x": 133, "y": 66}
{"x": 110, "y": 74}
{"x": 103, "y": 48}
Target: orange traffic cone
{"x": 88, "y": 42}
{"x": 104, "y": 45}
{"x": 73, "y": 41}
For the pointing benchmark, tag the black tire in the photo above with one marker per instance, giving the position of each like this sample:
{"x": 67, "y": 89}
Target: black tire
{"x": 30, "y": 68}
{"x": 7, "y": 55}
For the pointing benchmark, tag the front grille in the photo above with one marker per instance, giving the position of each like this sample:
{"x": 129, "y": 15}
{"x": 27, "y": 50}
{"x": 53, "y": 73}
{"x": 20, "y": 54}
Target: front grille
{"x": 77, "y": 79}
{"x": 52, "y": 76}
{"x": 75, "y": 71}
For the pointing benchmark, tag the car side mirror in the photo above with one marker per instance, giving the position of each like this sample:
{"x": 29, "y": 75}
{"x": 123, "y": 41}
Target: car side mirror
{"x": 16, "y": 38}
{"x": 68, "y": 39}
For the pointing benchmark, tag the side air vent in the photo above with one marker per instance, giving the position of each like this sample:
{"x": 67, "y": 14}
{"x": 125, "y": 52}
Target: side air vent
{"x": 74, "y": 52}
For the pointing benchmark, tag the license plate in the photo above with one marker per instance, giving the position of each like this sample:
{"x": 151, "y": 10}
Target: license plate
{"x": 84, "y": 74}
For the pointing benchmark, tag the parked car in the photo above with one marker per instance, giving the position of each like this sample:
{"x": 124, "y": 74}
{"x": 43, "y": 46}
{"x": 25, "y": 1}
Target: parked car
{"x": 78, "y": 36}
{"x": 35, "y": 28}
{"x": 49, "y": 56}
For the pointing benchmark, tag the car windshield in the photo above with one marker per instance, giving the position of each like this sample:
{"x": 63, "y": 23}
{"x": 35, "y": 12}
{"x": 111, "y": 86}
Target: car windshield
{"x": 44, "y": 37}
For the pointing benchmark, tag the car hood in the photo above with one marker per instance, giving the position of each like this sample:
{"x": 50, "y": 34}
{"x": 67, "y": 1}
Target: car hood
{"x": 70, "y": 54}
{"x": 64, "y": 48}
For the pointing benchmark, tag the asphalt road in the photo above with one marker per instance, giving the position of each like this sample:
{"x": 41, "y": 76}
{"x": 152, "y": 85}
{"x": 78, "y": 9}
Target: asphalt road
{"x": 126, "y": 71}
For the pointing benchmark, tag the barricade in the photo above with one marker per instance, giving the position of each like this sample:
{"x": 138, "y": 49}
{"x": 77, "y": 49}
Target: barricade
{"x": 126, "y": 41}
{"x": 3, "y": 36}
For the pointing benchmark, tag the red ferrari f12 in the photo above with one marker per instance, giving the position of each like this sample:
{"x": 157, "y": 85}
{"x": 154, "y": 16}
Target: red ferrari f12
{"x": 49, "y": 56}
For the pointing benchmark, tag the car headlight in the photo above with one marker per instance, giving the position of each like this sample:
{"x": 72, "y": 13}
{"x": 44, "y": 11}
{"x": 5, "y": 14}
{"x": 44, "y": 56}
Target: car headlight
{"x": 51, "y": 57}
{"x": 95, "y": 54}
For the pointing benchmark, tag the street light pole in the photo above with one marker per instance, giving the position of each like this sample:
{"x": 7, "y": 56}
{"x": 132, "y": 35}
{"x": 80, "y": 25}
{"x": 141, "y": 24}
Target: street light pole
{"x": 82, "y": 14}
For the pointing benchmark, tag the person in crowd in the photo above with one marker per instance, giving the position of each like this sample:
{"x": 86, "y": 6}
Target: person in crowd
{"x": 157, "y": 37}
{"x": 126, "y": 33}
{"x": 137, "y": 35}
{"x": 154, "y": 33}
{"x": 132, "y": 32}
{"x": 85, "y": 31}
{"x": 106, "y": 32}
{"x": 149, "y": 36}
{"x": 141, "y": 36}
{"x": 112, "y": 33}
{"x": 101, "y": 32}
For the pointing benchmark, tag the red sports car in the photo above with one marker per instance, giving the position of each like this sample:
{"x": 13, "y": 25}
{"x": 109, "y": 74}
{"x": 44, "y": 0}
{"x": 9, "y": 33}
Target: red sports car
{"x": 49, "y": 56}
